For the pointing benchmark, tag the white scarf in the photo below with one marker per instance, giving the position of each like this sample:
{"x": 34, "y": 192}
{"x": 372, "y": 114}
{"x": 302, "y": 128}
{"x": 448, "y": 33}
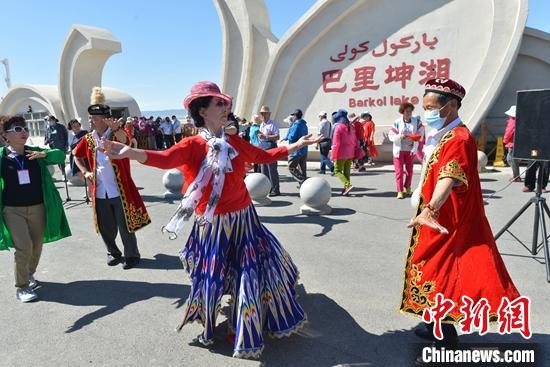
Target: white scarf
{"x": 433, "y": 137}
{"x": 216, "y": 163}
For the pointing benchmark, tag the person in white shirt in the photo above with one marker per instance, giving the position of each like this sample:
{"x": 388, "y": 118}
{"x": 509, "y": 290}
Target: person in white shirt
{"x": 406, "y": 134}
{"x": 177, "y": 128}
{"x": 268, "y": 136}
{"x": 325, "y": 129}
{"x": 167, "y": 128}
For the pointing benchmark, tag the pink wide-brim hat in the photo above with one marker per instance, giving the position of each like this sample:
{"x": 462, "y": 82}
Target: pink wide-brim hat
{"x": 205, "y": 89}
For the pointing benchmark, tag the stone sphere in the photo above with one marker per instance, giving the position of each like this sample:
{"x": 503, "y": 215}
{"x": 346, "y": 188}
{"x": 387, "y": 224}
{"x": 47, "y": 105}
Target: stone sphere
{"x": 74, "y": 180}
{"x": 481, "y": 161}
{"x": 315, "y": 192}
{"x": 51, "y": 169}
{"x": 173, "y": 180}
{"x": 415, "y": 197}
{"x": 258, "y": 185}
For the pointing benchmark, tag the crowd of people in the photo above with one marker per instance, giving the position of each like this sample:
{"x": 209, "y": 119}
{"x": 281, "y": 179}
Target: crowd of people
{"x": 157, "y": 133}
{"x": 229, "y": 251}
{"x": 340, "y": 148}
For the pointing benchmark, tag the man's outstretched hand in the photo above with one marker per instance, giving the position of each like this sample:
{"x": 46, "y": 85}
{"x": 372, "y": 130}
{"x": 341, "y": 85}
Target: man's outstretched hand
{"x": 115, "y": 150}
{"x": 426, "y": 218}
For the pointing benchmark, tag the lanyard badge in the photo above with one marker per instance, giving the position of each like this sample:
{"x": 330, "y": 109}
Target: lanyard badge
{"x": 22, "y": 174}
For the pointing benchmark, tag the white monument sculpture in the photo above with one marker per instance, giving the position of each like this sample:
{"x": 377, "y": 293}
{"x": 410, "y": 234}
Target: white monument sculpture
{"x": 365, "y": 55}
{"x": 84, "y": 55}
{"x": 531, "y": 70}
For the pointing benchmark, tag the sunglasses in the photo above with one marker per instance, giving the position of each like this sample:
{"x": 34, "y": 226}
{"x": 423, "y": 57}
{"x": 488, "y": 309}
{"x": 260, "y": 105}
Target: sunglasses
{"x": 18, "y": 129}
{"x": 221, "y": 103}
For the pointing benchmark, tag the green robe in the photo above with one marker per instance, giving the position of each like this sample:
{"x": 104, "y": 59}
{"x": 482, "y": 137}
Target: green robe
{"x": 57, "y": 226}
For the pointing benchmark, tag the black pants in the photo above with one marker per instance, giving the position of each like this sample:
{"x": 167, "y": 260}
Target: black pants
{"x": 531, "y": 174}
{"x": 111, "y": 220}
{"x": 178, "y": 137}
{"x": 159, "y": 141}
{"x": 270, "y": 170}
{"x": 168, "y": 141}
{"x": 298, "y": 167}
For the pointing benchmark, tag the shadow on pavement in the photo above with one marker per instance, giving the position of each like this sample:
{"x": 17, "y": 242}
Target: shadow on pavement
{"x": 113, "y": 295}
{"x": 161, "y": 262}
{"x": 331, "y": 337}
{"x": 326, "y": 222}
{"x": 383, "y": 194}
{"x": 157, "y": 199}
{"x": 279, "y": 203}
{"x": 338, "y": 190}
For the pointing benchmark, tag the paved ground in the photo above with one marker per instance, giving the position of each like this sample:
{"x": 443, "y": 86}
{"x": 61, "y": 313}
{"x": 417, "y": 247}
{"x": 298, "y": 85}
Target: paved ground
{"x": 351, "y": 265}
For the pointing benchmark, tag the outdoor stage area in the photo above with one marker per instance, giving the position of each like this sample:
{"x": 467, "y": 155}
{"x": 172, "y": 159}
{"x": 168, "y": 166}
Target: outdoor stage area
{"x": 351, "y": 265}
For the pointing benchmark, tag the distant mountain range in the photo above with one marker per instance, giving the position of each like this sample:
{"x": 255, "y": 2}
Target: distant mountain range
{"x": 181, "y": 113}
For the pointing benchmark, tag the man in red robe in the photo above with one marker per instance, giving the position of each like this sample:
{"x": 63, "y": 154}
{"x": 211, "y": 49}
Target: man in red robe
{"x": 451, "y": 250}
{"x": 117, "y": 204}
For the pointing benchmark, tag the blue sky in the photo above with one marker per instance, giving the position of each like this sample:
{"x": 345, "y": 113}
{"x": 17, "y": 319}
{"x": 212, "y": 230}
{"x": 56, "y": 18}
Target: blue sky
{"x": 166, "y": 44}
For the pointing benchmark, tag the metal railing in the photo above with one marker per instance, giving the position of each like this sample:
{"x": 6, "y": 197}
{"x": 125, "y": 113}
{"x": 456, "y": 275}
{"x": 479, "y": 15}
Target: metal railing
{"x": 36, "y": 123}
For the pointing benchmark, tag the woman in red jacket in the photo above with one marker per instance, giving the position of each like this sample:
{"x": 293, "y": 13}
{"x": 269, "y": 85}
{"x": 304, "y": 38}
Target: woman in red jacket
{"x": 509, "y": 143}
{"x": 228, "y": 251}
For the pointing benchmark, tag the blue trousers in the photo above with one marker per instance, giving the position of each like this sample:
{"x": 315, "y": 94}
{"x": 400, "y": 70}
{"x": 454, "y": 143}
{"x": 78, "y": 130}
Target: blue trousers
{"x": 326, "y": 162}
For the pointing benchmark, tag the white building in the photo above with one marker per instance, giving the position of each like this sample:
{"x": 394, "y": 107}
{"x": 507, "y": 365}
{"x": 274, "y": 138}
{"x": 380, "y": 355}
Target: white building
{"x": 84, "y": 55}
{"x": 372, "y": 55}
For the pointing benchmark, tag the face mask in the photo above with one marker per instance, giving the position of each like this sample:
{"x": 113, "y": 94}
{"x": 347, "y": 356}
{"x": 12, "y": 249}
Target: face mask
{"x": 433, "y": 119}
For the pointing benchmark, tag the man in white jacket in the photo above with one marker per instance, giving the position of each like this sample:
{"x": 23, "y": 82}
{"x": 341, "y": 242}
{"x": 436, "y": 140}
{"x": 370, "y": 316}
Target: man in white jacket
{"x": 406, "y": 133}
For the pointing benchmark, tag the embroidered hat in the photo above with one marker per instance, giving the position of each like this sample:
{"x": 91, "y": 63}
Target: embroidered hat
{"x": 445, "y": 86}
{"x": 97, "y": 104}
{"x": 205, "y": 89}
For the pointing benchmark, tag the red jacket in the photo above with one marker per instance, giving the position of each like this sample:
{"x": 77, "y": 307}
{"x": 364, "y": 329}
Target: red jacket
{"x": 344, "y": 142}
{"x": 188, "y": 155}
{"x": 509, "y": 133}
{"x": 359, "y": 131}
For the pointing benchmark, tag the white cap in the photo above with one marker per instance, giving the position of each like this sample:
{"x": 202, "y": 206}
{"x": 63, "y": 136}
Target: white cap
{"x": 511, "y": 111}
{"x": 322, "y": 113}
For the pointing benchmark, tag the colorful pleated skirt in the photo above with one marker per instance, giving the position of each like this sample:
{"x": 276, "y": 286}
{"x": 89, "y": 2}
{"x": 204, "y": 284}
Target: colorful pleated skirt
{"x": 237, "y": 255}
